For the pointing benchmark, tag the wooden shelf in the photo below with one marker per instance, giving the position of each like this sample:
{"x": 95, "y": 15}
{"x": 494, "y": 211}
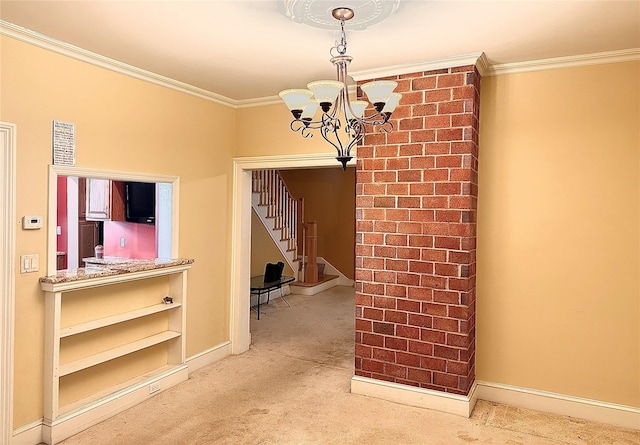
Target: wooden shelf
{"x": 115, "y": 319}
{"x": 110, "y": 354}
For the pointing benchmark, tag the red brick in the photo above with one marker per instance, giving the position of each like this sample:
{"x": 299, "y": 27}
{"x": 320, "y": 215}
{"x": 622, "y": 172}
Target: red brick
{"x": 459, "y": 257}
{"x": 408, "y": 253}
{"x": 457, "y": 368}
{"x": 399, "y": 137}
{"x": 434, "y": 309}
{"x": 434, "y": 282}
{"x": 423, "y": 136}
{"x": 447, "y": 270}
{"x": 364, "y": 275}
{"x": 363, "y": 351}
{"x": 384, "y": 355}
{"x": 437, "y": 148}
{"x": 451, "y": 80}
{"x": 410, "y": 332}
{"x": 395, "y": 316}
{"x": 397, "y": 215}
{"x": 384, "y": 176}
{"x": 420, "y": 241}
{"x": 385, "y": 252}
{"x": 421, "y": 267}
{"x": 373, "y": 314}
{"x": 373, "y": 263}
{"x": 364, "y": 250}
{"x": 373, "y": 238}
{"x": 372, "y": 339}
{"x": 408, "y": 306}
{"x": 420, "y": 293}
{"x": 395, "y": 240}
{"x": 464, "y": 92}
{"x": 448, "y": 188}
{"x": 396, "y": 265}
{"x": 423, "y": 83}
{"x": 448, "y": 216}
{"x": 462, "y": 120}
{"x": 375, "y": 139}
{"x": 452, "y": 107}
{"x": 449, "y": 134}
{"x": 449, "y": 381}
{"x": 397, "y": 189}
{"x": 431, "y": 336}
{"x": 446, "y": 296}
{"x": 384, "y": 201}
{"x": 419, "y": 375}
{"x": 462, "y": 147}
{"x": 409, "y": 202}
{"x": 425, "y": 109}
{"x": 395, "y": 370}
{"x": 452, "y": 161}
{"x": 384, "y": 328}
{"x": 384, "y": 276}
{"x": 437, "y": 121}
{"x": 459, "y": 312}
{"x": 384, "y": 226}
{"x": 363, "y": 300}
{"x": 446, "y": 352}
{"x": 425, "y": 321}
{"x": 441, "y": 174}
{"x": 384, "y": 302}
{"x": 408, "y": 279}
{"x": 447, "y": 242}
{"x": 371, "y": 288}
{"x": 461, "y": 284}
{"x": 434, "y": 255}
{"x": 372, "y": 365}
{"x": 433, "y": 363}
{"x": 396, "y": 291}
{"x": 403, "y": 358}
{"x": 416, "y": 97}
{"x": 437, "y": 95}
{"x": 422, "y": 189}
{"x": 411, "y": 228}
{"x": 411, "y": 150}
{"x": 373, "y": 214}
{"x": 445, "y": 324}
{"x": 415, "y": 123}
{"x": 363, "y": 325}
{"x": 398, "y": 344}
{"x": 459, "y": 340}
{"x": 422, "y": 348}
{"x": 409, "y": 175}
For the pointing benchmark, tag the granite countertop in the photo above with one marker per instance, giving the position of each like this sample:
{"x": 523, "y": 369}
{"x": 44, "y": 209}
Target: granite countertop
{"x": 110, "y": 266}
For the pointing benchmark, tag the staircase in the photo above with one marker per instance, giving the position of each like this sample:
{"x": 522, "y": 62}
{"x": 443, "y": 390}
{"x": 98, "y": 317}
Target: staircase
{"x": 278, "y": 211}
{"x": 283, "y": 217}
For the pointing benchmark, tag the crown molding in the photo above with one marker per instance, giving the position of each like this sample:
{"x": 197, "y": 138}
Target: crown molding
{"x": 478, "y": 59}
{"x": 625, "y": 55}
{"x": 65, "y": 49}
{"x": 429, "y": 65}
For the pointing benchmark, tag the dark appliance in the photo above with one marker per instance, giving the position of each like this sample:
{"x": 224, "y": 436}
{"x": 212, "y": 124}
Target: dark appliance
{"x": 140, "y": 202}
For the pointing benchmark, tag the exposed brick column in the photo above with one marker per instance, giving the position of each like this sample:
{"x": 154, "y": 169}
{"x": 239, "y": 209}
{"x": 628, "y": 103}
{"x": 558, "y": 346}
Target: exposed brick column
{"x": 416, "y": 201}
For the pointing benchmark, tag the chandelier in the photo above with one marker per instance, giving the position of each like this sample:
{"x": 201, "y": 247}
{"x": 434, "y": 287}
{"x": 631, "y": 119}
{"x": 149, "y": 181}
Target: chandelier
{"x": 342, "y": 121}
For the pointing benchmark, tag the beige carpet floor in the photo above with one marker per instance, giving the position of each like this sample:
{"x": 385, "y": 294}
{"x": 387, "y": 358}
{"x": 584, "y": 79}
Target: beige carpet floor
{"x": 292, "y": 387}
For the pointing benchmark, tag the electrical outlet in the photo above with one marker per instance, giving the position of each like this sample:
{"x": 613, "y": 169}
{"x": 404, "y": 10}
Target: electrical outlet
{"x": 154, "y": 387}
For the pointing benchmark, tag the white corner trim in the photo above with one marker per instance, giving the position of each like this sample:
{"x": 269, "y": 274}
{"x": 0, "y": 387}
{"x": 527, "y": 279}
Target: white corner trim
{"x": 65, "y": 49}
{"x": 626, "y": 55}
{"x": 8, "y": 143}
{"x": 412, "y": 396}
{"x": 604, "y": 412}
{"x": 208, "y": 356}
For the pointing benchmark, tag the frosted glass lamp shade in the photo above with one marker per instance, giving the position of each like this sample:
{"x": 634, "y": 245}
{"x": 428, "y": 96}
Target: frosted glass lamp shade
{"x": 325, "y": 91}
{"x": 392, "y": 103}
{"x": 296, "y": 99}
{"x": 309, "y": 110}
{"x": 379, "y": 91}
{"x": 358, "y": 107}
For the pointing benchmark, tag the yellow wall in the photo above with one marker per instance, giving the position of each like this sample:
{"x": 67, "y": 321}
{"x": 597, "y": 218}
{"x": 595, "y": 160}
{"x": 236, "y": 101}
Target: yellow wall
{"x": 330, "y": 200}
{"x": 128, "y": 125}
{"x": 558, "y": 303}
{"x": 263, "y": 249}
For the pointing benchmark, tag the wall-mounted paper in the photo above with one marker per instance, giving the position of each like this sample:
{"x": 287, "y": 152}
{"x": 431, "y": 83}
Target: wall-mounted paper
{"x": 64, "y": 144}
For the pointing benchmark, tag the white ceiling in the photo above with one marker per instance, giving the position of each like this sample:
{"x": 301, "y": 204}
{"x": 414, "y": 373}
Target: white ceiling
{"x": 250, "y": 49}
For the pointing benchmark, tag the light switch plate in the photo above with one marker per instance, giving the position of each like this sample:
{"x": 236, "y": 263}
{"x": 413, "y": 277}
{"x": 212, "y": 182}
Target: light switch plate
{"x": 29, "y": 263}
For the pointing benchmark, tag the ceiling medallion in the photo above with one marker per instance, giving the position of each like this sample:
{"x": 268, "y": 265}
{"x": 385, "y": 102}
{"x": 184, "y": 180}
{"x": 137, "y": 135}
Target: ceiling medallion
{"x": 317, "y": 13}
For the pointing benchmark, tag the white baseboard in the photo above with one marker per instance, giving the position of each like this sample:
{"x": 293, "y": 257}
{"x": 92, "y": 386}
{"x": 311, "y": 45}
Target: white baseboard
{"x": 412, "y": 396}
{"x": 29, "y": 434}
{"x": 72, "y": 423}
{"x": 208, "y": 356}
{"x": 604, "y": 412}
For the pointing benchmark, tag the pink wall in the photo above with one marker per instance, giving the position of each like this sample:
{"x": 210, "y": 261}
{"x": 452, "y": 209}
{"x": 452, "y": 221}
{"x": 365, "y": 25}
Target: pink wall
{"x": 62, "y": 239}
{"x": 140, "y": 240}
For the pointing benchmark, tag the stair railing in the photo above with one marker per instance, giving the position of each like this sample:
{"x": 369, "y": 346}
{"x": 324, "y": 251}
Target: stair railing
{"x": 281, "y": 206}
